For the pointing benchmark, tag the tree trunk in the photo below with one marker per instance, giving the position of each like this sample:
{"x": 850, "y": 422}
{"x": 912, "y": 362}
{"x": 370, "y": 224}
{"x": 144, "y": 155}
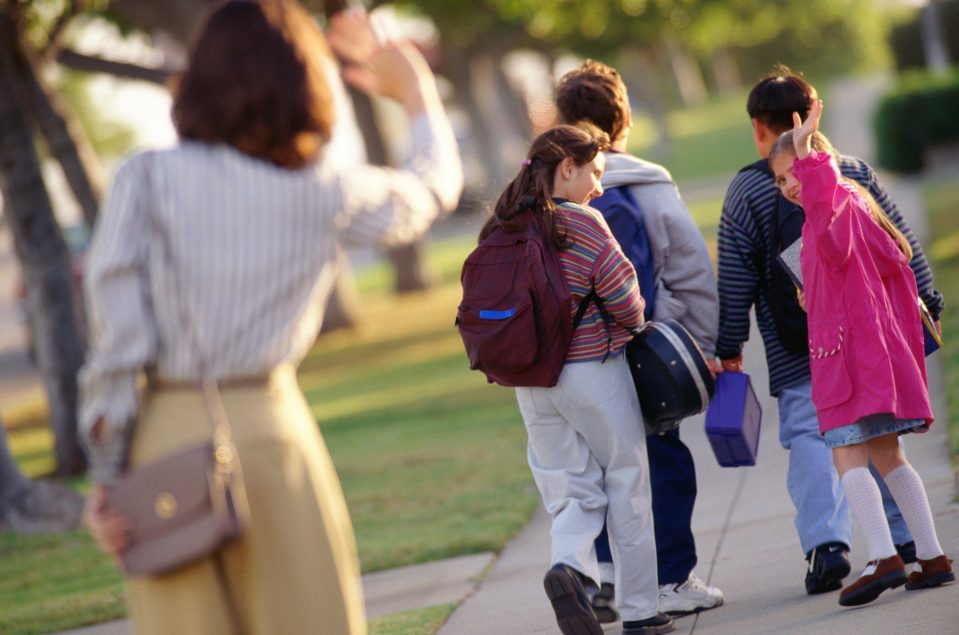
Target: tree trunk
{"x": 43, "y": 256}
{"x": 68, "y": 142}
{"x": 933, "y": 41}
{"x": 342, "y": 307}
{"x": 410, "y": 275}
{"x": 726, "y": 71}
{"x": 640, "y": 71}
{"x": 512, "y": 102}
{"x": 689, "y": 79}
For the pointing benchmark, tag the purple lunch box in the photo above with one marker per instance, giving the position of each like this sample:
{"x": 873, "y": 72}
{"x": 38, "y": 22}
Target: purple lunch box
{"x": 732, "y": 420}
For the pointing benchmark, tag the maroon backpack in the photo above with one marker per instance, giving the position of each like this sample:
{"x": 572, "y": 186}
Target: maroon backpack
{"x": 515, "y": 315}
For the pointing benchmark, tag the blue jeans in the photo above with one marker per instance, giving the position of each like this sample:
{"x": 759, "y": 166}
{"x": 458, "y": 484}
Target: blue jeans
{"x": 822, "y": 514}
{"x": 673, "y": 481}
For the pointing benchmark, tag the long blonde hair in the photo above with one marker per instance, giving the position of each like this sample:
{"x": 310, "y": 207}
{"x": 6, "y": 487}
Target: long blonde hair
{"x": 784, "y": 145}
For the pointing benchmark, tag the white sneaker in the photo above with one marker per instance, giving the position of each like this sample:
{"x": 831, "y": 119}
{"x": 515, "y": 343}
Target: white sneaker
{"x": 692, "y": 596}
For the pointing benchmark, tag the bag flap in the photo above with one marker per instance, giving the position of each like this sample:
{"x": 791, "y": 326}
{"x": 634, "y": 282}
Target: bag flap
{"x": 167, "y": 491}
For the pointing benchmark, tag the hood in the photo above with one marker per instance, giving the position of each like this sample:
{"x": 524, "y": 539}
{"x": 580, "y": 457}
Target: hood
{"x": 625, "y": 169}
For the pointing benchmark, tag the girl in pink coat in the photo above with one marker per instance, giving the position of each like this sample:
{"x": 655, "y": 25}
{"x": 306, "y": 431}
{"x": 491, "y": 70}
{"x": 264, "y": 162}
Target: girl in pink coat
{"x": 866, "y": 354}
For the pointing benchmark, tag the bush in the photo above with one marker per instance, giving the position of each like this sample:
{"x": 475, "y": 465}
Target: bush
{"x": 921, "y": 111}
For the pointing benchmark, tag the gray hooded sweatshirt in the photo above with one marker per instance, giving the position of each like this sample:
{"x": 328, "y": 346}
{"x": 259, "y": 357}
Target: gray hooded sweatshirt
{"x": 685, "y": 283}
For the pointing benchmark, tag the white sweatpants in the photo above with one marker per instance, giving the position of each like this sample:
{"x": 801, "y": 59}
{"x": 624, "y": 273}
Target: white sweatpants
{"x": 587, "y": 452}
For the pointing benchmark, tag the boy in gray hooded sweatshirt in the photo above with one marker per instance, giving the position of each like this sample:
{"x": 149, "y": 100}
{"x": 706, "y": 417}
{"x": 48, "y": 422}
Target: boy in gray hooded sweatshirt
{"x": 685, "y": 291}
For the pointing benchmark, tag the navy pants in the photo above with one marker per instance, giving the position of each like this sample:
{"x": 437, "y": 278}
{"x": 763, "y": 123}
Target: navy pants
{"x": 673, "y": 482}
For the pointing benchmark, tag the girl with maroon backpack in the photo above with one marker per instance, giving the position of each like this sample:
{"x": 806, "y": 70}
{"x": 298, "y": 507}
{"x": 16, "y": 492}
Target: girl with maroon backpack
{"x": 587, "y": 445}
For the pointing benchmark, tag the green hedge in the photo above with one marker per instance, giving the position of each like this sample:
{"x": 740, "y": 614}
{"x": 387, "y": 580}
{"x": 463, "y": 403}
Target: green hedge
{"x": 921, "y": 111}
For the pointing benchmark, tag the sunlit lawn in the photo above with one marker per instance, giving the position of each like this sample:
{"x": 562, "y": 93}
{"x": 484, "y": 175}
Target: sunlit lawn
{"x": 706, "y": 141}
{"x": 940, "y": 198}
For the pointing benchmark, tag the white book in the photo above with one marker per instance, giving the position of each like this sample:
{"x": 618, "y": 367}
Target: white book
{"x": 789, "y": 259}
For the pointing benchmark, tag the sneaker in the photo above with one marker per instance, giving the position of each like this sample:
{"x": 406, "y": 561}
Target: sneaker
{"x": 878, "y": 576}
{"x": 907, "y": 551}
{"x": 691, "y": 596}
{"x": 574, "y": 615}
{"x": 604, "y": 604}
{"x": 655, "y": 625}
{"x": 931, "y": 573}
{"x": 828, "y": 565}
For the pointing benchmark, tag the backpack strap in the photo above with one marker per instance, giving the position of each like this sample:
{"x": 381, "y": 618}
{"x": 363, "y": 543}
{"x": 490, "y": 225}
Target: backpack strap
{"x": 583, "y": 305}
{"x": 593, "y": 297}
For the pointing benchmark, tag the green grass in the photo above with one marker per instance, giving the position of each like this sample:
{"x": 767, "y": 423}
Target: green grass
{"x": 412, "y": 622}
{"x": 55, "y": 582}
{"x": 710, "y": 140}
{"x": 943, "y": 250}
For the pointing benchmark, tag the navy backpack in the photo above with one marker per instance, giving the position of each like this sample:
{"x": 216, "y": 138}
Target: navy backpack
{"x": 625, "y": 220}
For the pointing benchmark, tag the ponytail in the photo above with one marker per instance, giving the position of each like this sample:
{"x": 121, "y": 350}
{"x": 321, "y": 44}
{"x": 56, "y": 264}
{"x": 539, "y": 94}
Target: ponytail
{"x": 532, "y": 189}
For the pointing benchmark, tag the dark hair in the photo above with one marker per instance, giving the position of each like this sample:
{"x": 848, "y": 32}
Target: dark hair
{"x": 784, "y": 145}
{"x": 777, "y": 96}
{"x": 594, "y": 92}
{"x": 256, "y": 81}
{"x": 532, "y": 189}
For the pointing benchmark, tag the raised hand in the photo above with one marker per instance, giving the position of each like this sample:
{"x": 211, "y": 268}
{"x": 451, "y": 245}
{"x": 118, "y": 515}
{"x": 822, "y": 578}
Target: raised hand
{"x": 390, "y": 68}
{"x": 803, "y": 130}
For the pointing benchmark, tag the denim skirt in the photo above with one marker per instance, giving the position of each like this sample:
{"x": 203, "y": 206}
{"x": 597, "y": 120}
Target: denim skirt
{"x": 871, "y": 426}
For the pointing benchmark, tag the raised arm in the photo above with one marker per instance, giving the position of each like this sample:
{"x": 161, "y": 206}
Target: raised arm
{"x": 828, "y": 205}
{"x": 395, "y": 206}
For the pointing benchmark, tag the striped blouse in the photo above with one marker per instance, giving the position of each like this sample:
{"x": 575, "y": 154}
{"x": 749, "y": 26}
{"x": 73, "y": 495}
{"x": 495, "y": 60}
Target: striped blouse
{"x": 745, "y": 261}
{"x": 253, "y": 252}
{"x": 592, "y": 260}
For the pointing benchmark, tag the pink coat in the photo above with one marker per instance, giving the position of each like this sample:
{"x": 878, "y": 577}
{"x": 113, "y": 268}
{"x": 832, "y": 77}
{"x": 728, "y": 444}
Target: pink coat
{"x": 865, "y": 333}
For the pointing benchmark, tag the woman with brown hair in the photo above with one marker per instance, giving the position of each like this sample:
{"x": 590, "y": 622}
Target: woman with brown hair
{"x": 214, "y": 260}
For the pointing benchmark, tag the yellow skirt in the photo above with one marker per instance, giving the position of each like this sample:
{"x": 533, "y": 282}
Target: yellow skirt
{"x": 295, "y": 570}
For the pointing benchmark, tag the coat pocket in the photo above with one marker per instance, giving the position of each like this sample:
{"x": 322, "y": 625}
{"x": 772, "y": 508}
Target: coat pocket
{"x": 831, "y": 382}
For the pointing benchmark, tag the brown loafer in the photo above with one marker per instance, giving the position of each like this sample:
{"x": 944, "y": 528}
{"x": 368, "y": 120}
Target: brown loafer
{"x": 931, "y": 573}
{"x": 887, "y": 573}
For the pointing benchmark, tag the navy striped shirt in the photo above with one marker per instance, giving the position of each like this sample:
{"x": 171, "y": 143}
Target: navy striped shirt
{"x": 745, "y": 266}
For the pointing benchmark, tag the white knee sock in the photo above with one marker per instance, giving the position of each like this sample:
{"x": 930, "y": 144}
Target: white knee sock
{"x": 906, "y": 487}
{"x": 865, "y": 500}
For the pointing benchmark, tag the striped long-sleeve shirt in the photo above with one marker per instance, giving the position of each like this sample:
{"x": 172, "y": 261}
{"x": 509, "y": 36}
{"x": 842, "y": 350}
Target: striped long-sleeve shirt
{"x": 251, "y": 263}
{"x": 592, "y": 260}
{"x": 746, "y": 260}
